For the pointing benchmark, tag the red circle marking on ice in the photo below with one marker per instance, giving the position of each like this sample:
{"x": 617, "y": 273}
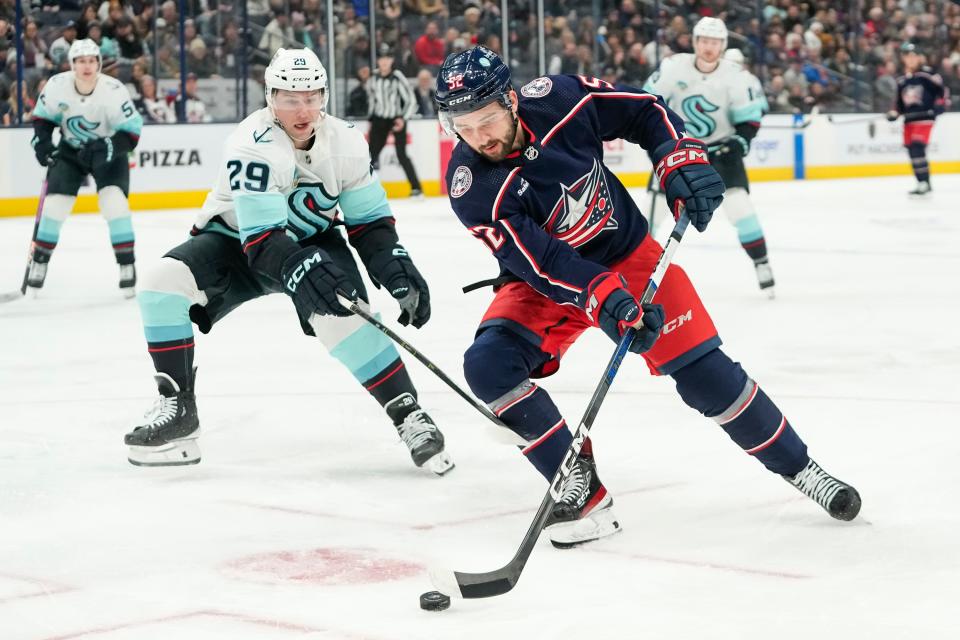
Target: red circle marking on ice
{"x": 322, "y": 566}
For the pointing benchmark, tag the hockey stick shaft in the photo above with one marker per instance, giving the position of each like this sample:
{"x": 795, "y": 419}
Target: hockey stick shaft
{"x": 503, "y": 434}
{"x": 33, "y": 238}
{"x": 499, "y": 581}
{"x": 13, "y": 295}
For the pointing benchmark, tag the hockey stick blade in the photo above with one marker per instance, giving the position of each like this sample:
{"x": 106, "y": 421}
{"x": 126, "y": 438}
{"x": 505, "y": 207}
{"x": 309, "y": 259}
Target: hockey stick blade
{"x": 502, "y": 580}
{"x": 502, "y": 434}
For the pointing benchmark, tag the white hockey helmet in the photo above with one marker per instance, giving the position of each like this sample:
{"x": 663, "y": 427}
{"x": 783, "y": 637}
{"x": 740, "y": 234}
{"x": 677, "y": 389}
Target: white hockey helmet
{"x": 85, "y": 47}
{"x": 734, "y": 55}
{"x": 295, "y": 70}
{"x": 710, "y": 28}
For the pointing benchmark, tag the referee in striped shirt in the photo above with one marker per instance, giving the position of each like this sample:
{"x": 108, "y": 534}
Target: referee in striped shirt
{"x": 391, "y": 103}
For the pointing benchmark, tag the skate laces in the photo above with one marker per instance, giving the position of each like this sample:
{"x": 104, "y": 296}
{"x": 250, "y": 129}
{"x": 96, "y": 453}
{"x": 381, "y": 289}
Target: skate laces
{"x": 164, "y": 410}
{"x": 817, "y": 484}
{"x": 416, "y": 429}
{"x": 575, "y": 486}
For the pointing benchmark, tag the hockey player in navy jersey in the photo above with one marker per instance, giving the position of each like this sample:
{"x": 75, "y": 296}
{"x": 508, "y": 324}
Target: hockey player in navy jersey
{"x": 528, "y": 180}
{"x": 921, "y": 97}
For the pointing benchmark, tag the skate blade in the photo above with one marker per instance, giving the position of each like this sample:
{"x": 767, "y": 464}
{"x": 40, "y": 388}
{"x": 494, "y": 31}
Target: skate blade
{"x": 128, "y": 292}
{"x": 440, "y": 464}
{"x": 596, "y": 525}
{"x": 172, "y": 454}
{"x": 769, "y": 292}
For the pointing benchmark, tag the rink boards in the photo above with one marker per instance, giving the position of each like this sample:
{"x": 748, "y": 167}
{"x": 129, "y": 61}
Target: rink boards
{"x": 174, "y": 165}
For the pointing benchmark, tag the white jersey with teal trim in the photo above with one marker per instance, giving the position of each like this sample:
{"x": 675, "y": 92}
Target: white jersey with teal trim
{"x": 711, "y": 104}
{"x": 82, "y": 118}
{"x": 265, "y": 182}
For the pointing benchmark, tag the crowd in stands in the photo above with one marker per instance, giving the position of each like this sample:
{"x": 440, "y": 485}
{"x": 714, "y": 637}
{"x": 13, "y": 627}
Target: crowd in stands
{"x": 841, "y": 56}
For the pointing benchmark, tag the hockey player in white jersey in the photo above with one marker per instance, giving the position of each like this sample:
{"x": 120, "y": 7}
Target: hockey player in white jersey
{"x": 290, "y": 178}
{"x": 721, "y": 104}
{"x": 98, "y": 126}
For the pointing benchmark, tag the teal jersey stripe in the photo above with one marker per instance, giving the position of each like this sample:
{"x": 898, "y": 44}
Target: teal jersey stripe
{"x": 365, "y": 352}
{"x": 168, "y": 334}
{"x": 49, "y": 230}
{"x": 121, "y": 230}
{"x": 159, "y": 309}
{"x": 748, "y": 229}
{"x": 41, "y": 111}
{"x": 133, "y": 124}
{"x": 752, "y": 112}
{"x": 258, "y": 212}
{"x": 364, "y": 205}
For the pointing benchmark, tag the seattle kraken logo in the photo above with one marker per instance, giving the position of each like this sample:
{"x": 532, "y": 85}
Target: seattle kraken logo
{"x": 695, "y": 110}
{"x": 81, "y": 130}
{"x": 583, "y": 210}
{"x": 309, "y": 210}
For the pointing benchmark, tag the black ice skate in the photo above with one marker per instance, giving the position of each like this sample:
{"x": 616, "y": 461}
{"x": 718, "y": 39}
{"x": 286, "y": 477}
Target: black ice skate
{"x": 923, "y": 188}
{"x": 585, "y": 509}
{"x": 37, "y": 269}
{"x": 419, "y": 433}
{"x": 764, "y": 276}
{"x": 128, "y": 280}
{"x": 839, "y": 499}
{"x": 169, "y": 435}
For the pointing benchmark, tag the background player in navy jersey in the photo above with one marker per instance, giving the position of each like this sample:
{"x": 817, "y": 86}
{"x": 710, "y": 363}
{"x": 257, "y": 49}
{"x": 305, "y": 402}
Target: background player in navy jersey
{"x": 921, "y": 97}
{"x": 528, "y": 180}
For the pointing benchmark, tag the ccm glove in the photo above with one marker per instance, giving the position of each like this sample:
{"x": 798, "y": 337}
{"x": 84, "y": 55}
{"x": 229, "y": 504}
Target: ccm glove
{"x": 393, "y": 269}
{"x": 312, "y": 279}
{"x": 687, "y": 179}
{"x": 610, "y": 306}
{"x": 735, "y": 144}
{"x": 96, "y": 153}
{"x": 45, "y": 151}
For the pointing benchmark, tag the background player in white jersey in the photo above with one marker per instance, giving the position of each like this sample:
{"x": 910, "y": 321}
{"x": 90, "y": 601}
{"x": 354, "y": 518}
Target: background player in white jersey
{"x": 99, "y": 126}
{"x": 721, "y": 104}
{"x": 290, "y": 176}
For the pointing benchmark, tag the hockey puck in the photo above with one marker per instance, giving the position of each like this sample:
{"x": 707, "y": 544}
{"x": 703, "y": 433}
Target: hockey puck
{"x": 434, "y": 601}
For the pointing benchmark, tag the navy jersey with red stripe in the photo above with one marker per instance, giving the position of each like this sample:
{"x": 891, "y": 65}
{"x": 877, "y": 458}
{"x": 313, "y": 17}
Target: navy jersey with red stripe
{"x": 921, "y": 95}
{"x": 552, "y": 213}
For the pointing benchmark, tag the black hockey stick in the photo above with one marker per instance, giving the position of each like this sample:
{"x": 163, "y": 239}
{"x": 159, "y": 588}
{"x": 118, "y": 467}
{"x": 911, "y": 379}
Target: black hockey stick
{"x": 502, "y": 580}
{"x": 872, "y": 118}
{"x": 503, "y": 434}
{"x": 14, "y": 295}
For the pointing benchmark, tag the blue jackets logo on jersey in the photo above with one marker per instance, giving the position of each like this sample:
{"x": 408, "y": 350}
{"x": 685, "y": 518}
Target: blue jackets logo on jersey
{"x": 583, "y": 210}
{"x": 695, "y": 110}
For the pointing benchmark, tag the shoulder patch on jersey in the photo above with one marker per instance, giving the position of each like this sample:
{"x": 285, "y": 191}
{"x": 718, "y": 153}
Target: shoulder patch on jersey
{"x": 537, "y": 88}
{"x": 462, "y": 179}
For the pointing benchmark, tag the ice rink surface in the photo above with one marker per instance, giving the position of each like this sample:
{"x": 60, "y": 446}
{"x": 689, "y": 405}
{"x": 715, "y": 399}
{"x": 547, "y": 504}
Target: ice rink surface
{"x": 306, "y": 518}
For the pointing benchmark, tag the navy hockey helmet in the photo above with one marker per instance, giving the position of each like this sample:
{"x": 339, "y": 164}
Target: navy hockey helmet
{"x": 469, "y": 80}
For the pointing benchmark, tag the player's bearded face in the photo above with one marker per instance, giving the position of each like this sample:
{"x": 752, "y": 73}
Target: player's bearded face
{"x": 490, "y": 131}
{"x": 709, "y": 49}
{"x": 298, "y": 112}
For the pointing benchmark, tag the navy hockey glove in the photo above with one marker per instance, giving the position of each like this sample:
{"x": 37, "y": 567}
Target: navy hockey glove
{"x": 96, "y": 153}
{"x": 735, "y": 144}
{"x": 393, "y": 268}
{"x": 610, "y": 306}
{"x": 687, "y": 179}
{"x": 312, "y": 279}
{"x": 45, "y": 151}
